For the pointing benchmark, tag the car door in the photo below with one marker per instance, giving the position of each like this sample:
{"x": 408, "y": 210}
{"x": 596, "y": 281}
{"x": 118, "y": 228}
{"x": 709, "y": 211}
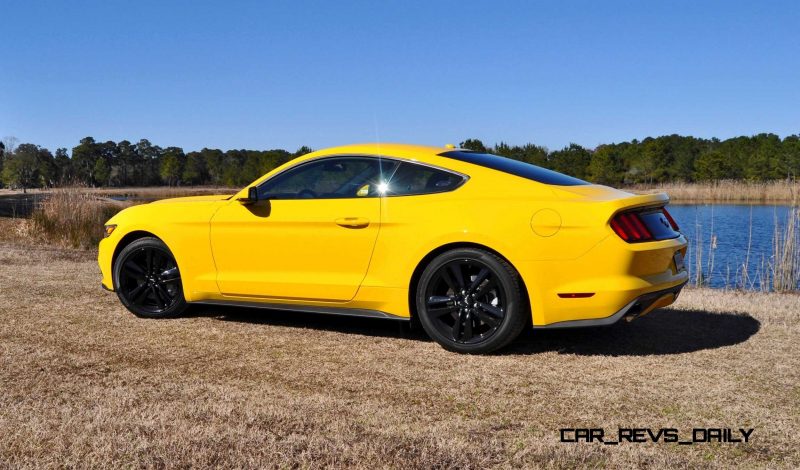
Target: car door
{"x": 310, "y": 235}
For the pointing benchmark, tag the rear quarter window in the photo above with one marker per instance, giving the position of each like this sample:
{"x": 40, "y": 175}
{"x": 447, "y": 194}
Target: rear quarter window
{"x": 514, "y": 167}
{"x": 411, "y": 179}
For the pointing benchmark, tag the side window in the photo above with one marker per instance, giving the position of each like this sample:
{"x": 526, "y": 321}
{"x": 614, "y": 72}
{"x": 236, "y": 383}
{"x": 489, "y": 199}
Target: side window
{"x": 417, "y": 179}
{"x": 329, "y": 178}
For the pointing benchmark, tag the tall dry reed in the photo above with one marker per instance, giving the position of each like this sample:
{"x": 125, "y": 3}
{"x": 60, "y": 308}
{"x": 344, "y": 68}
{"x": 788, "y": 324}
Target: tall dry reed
{"x": 785, "y": 265}
{"x": 728, "y": 191}
{"x": 161, "y": 192}
{"x": 72, "y": 217}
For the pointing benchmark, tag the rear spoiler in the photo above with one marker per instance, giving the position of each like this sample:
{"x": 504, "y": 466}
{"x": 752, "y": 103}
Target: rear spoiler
{"x": 606, "y": 202}
{"x": 610, "y": 197}
{"x": 640, "y": 200}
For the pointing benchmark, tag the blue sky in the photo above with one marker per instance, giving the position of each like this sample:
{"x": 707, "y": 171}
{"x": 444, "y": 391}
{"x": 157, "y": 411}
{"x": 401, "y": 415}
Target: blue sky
{"x": 284, "y": 74}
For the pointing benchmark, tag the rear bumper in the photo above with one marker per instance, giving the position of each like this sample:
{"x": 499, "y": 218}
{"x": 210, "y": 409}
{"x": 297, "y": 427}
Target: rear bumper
{"x": 614, "y": 274}
{"x": 640, "y": 306}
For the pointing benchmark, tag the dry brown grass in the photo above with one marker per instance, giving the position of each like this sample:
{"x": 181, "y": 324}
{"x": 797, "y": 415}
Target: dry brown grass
{"x": 728, "y": 191}
{"x": 786, "y": 253}
{"x": 84, "y": 383}
{"x": 72, "y": 218}
{"x": 162, "y": 192}
{"x": 147, "y": 192}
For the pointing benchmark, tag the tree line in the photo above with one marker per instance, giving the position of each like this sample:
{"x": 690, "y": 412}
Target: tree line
{"x": 652, "y": 160}
{"x": 123, "y": 163}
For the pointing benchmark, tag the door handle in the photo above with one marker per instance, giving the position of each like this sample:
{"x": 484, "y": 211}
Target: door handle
{"x": 353, "y": 222}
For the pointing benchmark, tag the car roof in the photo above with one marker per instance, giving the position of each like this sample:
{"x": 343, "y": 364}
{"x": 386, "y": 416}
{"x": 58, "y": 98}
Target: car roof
{"x": 422, "y": 153}
{"x": 459, "y": 160}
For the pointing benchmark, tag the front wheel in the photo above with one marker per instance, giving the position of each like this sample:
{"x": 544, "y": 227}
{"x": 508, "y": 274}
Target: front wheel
{"x": 147, "y": 279}
{"x": 470, "y": 301}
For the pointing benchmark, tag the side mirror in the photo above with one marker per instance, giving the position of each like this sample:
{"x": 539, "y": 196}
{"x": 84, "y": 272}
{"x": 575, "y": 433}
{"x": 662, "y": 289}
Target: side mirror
{"x": 252, "y": 196}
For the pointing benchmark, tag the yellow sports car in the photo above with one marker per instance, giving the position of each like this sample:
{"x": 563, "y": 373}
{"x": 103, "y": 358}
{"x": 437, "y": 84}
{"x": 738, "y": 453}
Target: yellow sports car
{"x": 474, "y": 246}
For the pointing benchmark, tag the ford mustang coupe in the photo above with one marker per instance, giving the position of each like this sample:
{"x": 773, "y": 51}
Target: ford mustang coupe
{"x": 474, "y": 246}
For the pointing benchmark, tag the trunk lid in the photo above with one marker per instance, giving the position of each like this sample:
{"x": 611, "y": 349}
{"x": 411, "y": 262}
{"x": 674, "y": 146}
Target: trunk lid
{"x": 634, "y": 217}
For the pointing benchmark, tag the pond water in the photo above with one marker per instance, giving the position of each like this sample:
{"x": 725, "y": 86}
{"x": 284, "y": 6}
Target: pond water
{"x": 18, "y": 205}
{"x": 719, "y": 236}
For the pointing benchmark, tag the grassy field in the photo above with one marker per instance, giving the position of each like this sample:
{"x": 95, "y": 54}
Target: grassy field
{"x": 84, "y": 383}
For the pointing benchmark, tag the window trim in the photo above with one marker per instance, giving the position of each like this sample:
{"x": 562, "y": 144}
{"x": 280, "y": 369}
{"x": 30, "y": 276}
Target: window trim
{"x": 399, "y": 160}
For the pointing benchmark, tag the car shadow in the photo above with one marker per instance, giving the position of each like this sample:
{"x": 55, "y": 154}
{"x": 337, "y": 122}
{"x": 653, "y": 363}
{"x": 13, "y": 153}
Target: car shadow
{"x": 315, "y": 321}
{"x": 662, "y": 332}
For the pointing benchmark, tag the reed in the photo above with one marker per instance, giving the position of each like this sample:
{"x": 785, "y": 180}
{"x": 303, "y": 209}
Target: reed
{"x": 161, "y": 192}
{"x": 71, "y": 217}
{"x": 728, "y": 191}
{"x": 746, "y": 265}
{"x": 699, "y": 277}
{"x": 785, "y": 263}
{"x": 778, "y": 272}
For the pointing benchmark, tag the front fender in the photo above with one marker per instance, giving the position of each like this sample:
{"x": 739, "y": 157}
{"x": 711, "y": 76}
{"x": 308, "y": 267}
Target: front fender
{"x": 182, "y": 226}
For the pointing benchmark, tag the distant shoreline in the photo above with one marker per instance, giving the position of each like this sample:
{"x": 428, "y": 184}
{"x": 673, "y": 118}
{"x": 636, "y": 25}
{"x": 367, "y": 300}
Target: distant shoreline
{"x": 718, "y": 192}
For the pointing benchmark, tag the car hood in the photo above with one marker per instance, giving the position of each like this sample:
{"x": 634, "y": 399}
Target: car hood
{"x": 193, "y": 208}
{"x": 210, "y": 198}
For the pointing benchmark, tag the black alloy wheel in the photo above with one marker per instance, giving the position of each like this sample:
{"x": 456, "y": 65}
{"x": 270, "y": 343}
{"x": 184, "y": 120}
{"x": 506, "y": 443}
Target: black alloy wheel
{"x": 147, "y": 279}
{"x": 470, "y": 301}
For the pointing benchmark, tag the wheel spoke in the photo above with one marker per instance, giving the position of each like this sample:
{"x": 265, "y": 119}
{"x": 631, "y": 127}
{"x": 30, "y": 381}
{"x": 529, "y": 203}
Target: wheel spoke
{"x": 467, "y": 327}
{"x": 482, "y": 275}
{"x": 440, "y": 299}
{"x": 491, "y": 309}
{"x": 442, "y": 311}
{"x": 457, "y": 327}
{"x": 162, "y": 262}
{"x": 136, "y": 293}
{"x": 486, "y": 318}
{"x": 458, "y": 275}
{"x": 161, "y": 299}
{"x": 156, "y": 261}
{"x": 149, "y": 260}
{"x": 152, "y": 292}
{"x": 449, "y": 280}
{"x": 170, "y": 275}
{"x": 486, "y": 287}
{"x": 133, "y": 268}
{"x": 163, "y": 292}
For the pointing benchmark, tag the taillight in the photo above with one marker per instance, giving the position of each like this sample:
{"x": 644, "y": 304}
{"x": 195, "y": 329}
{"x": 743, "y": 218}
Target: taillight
{"x": 630, "y": 228}
{"x": 645, "y": 224}
{"x": 671, "y": 220}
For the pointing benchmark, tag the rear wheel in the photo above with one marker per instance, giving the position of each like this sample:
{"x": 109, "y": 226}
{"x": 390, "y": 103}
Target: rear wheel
{"x": 470, "y": 301}
{"x": 147, "y": 279}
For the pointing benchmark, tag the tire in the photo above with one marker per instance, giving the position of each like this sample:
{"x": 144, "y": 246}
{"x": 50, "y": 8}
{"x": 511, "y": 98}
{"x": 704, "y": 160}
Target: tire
{"x": 470, "y": 301}
{"x": 147, "y": 280}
